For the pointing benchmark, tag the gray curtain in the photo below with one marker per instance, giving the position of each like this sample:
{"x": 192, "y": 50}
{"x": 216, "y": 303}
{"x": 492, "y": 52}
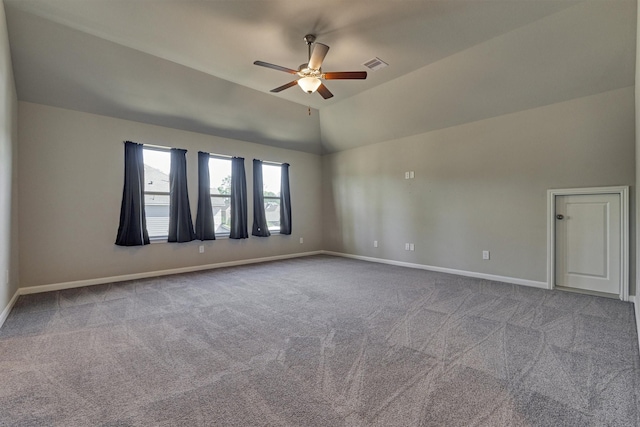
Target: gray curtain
{"x": 238, "y": 200}
{"x": 205, "y": 227}
{"x": 180, "y": 222}
{"x": 260, "y": 227}
{"x": 285, "y": 201}
{"x": 132, "y": 230}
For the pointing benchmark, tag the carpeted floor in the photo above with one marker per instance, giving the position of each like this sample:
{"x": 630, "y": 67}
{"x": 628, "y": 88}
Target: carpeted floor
{"x": 318, "y": 341}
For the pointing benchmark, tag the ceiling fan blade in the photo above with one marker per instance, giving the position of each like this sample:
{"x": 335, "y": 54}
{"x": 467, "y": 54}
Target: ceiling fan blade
{"x": 317, "y": 56}
{"x": 324, "y": 92}
{"x": 283, "y": 87}
{"x": 275, "y": 67}
{"x": 343, "y": 75}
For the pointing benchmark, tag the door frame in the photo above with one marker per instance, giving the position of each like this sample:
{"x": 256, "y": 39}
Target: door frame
{"x": 623, "y": 192}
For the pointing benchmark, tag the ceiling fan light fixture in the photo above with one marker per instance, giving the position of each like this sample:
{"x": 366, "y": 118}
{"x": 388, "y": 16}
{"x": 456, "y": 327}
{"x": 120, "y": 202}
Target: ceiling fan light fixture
{"x": 309, "y": 84}
{"x": 310, "y": 74}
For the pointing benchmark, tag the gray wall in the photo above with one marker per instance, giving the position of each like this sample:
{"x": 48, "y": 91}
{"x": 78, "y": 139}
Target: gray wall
{"x": 71, "y": 176}
{"x": 8, "y": 172}
{"x": 477, "y": 186}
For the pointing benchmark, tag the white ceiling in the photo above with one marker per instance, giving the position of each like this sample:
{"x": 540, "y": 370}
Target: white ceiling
{"x": 187, "y": 64}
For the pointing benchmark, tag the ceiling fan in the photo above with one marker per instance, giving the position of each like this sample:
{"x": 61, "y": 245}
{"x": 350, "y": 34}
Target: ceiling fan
{"x": 311, "y": 72}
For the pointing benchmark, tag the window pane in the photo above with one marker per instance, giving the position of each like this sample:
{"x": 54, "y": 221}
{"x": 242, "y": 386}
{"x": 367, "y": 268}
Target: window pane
{"x": 157, "y": 165}
{"x": 220, "y": 176}
{"x": 221, "y": 214}
{"x": 156, "y": 209}
{"x": 271, "y": 180}
{"x": 272, "y": 211}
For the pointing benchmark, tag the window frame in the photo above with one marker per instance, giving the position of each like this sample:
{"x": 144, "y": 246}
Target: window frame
{"x": 145, "y": 193}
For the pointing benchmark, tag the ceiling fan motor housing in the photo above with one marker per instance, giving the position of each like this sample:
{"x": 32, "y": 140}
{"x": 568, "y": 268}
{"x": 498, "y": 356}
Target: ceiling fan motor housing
{"x": 305, "y": 71}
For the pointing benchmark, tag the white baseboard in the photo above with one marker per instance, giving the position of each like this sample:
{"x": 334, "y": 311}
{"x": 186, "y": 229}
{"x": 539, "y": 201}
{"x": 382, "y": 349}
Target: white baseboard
{"x": 7, "y": 309}
{"x": 514, "y": 280}
{"x": 135, "y": 276}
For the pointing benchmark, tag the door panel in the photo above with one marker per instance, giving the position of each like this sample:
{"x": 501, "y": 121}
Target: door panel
{"x": 588, "y": 242}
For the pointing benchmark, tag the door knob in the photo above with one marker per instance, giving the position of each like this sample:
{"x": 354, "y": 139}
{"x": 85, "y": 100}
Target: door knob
{"x": 559, "y": 216}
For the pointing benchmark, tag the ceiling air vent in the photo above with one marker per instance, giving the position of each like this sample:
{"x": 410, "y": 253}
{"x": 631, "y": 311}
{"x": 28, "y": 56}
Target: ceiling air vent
{"x": 375, "y": 64}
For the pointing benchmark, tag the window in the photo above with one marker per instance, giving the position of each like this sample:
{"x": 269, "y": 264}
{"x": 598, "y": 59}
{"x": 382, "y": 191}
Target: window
{"x": 157, "y": 165}
{"x": 271, "y": 191}
{"x": 220, "y": 189}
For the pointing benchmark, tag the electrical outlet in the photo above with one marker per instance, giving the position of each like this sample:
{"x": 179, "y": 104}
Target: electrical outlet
{"x": 485, "y": 255}
{"x": 406, "y": 246}
{"x": 301, "y": 240}
{"x": 375, "y": 243}
{"x": 201, "y": 249}
{"x": 406, "y": 175}
{"x": 412, "y": 247}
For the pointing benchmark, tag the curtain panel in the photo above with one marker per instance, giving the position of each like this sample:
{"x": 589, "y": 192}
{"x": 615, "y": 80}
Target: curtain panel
{"x": 285, "y": 201}
{"x": 205, "y": 227}
{"x": 132, "y": 230}
{"x": 260, "y": 226}
{"x": 180, "y": 222}
{"x": 238, "y": 200}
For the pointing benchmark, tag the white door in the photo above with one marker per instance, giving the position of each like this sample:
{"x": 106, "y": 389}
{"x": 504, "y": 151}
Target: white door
{"x": 588, "y": 233}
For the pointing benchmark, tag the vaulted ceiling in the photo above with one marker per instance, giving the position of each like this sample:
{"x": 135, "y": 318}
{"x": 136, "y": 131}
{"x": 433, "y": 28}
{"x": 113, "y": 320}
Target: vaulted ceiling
{"x": 188, "y": 64}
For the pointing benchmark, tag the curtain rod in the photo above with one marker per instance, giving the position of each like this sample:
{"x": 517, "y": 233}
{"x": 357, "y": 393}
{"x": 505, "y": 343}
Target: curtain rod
{"x": 151, "y": 146}
{"x": 218, "y": 156}
{"x": 272, "y": 163}
{"x": 156, "y": 147}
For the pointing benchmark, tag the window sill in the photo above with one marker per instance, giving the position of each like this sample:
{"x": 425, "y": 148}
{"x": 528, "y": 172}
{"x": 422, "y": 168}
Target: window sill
{"x": 159, "y": 240}
{"x": 156, "y": 240}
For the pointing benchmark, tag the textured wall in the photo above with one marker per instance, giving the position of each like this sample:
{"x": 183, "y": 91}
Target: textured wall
{"x": 477, "y": 186}
{"x": 71, "y": 172}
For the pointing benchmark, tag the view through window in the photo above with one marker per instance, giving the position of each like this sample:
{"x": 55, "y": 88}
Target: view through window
{"x": 271, "y": 191}
{"x": 220, "y": 190}
{"x": 157, "y": 165}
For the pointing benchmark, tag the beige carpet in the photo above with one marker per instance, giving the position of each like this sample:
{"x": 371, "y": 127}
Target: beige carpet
{"x": 318, "y": 341}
